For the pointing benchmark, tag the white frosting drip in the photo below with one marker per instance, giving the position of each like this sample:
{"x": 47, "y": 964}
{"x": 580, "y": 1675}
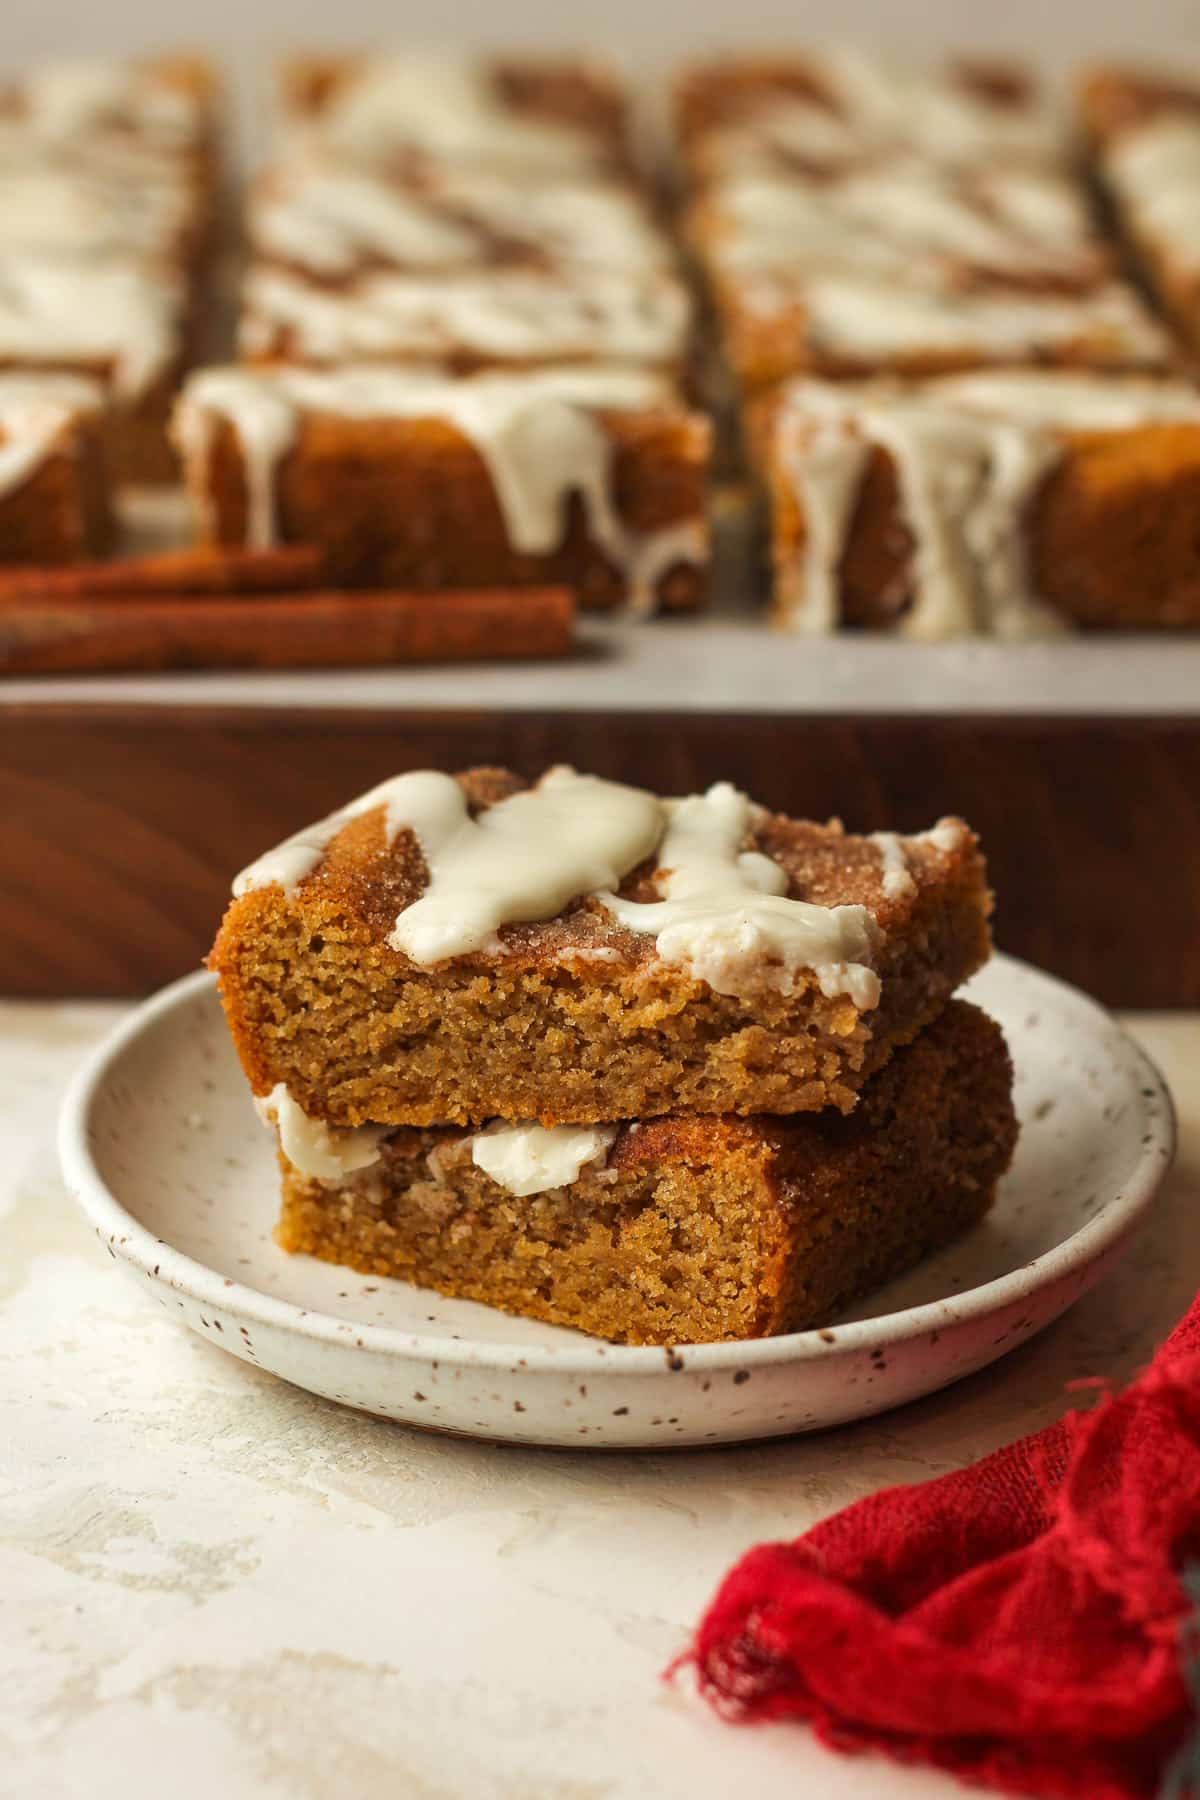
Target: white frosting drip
{"x": 939, "y": 113}
{"x": 508, "y": 315}
{"x": 726, "y": 917}
{"x": 725, "y": 914}
{"x": 1047, "y": 204}
{"x": 528, "y": 450}
{"x": 89, "y": 309}
{"x": 881, "y": 106}
{"x": 522, "y": 859}
{"x": 34, "y": 410}
{"x": 897, "y": 878}
{"x": 83, "y": 211}
{"x": 1154, "y": 169}
{"x": 876, "y": 320}
{"x": 597, "y": 224}
{"x": 1065, "y": 401}
{"x": 331, "y": 221}
{"x": 264, "y": 411}
{"x": 964, "y": 485}
{"x": 327, "y": 220}
{"x": 948, "y": 835}
{"x": 445, "y": 108}
{"x": 825, "y": 465}
{"x": 426, "y": 802}
{"x": 647, "y": 558}
{"x": 970, "y": 452}
{"x": 325, "y": 1153}
{"x": 1031, "y": 224}
{"x": 538, "y": 434}
{"x": 784, "y": 128}
{"x": 67, "y": 101}
{"x": 532, "y": 1159}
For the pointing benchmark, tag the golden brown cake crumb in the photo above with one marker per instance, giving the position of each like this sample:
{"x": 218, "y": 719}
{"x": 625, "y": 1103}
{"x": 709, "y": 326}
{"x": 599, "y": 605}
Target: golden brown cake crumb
{"x": 576, "y": 1018}
{"x": 695, "y": 1229}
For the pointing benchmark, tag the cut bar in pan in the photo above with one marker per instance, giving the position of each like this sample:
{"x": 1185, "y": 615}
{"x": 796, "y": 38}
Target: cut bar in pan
{"x": 55, "y": 500}
{"x": 1008, "y": 503}
{"x": 590, "y": 477}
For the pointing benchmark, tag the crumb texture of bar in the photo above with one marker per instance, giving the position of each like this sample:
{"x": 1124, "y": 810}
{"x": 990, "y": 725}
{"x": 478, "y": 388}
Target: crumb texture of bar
{"x": 592, "y": 476}
{"x": 693, "y": 1230}
{"x": 686, "y": 987}
{"x": 1010, "y": 504}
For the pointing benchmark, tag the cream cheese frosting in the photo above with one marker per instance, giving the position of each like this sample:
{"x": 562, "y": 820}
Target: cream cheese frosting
{"x": 522, "y": 1158}
{"x": 65, "y": 102}
{"x": 1154, "y": 168}
{"x": 115, "y": 310}
{"x": 527, "y": 1159}
{"x": 1030, "y": 224}
{"x": 726, "y": 917}
{"x": 332, "y": 220}
{"x": 502, "y": 316}
{"x": 326, "y": 1153}
{"x": 451, "y": 109}
{"x": 872, "y": 105}
{"x": 725, "y": 913}
{"x": 88, "y": 210}
{"x": 865, "y": 317}
{"x": 522, "y": 859}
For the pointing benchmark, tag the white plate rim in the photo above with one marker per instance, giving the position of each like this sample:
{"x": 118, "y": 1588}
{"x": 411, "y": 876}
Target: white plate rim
{"x": 135, "y": 1244}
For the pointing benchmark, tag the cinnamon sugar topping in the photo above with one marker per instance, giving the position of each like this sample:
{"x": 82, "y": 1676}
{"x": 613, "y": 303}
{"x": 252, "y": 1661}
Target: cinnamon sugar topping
{"x": 725, "y": 913}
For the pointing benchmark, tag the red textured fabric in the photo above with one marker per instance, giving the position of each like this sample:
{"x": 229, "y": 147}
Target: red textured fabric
{"x": 1018, "y": 1622}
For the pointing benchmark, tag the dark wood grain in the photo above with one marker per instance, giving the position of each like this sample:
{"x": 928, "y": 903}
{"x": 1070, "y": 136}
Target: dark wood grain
{"x": 120, "y": 827}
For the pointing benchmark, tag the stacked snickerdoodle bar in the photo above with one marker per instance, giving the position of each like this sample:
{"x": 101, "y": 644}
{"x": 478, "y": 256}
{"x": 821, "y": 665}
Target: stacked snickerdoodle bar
{"x": 664, "y": 1071}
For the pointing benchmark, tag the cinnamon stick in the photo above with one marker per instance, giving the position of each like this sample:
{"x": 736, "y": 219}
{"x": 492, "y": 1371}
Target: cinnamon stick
{"x": 287, "y": 569}
{"x": 292, "y": 631}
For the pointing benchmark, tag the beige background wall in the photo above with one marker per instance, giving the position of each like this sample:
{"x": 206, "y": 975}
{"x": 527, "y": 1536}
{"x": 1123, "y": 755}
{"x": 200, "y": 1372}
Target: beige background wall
{"x": 1057, "y": 28}
{"x": 644, "y": 32}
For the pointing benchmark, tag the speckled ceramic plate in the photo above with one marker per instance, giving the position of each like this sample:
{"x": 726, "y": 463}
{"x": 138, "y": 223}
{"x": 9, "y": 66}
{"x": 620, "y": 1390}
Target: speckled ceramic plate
{"x": 162, "y": 1148}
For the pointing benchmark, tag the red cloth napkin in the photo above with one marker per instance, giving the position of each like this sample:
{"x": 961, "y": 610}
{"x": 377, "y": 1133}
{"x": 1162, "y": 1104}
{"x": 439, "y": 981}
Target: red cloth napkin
{"x": 1023, "y": 1623}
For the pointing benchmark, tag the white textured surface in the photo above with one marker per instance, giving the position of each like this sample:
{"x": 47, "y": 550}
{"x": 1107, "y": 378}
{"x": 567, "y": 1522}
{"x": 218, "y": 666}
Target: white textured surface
{"x": 215, "y": 1585}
